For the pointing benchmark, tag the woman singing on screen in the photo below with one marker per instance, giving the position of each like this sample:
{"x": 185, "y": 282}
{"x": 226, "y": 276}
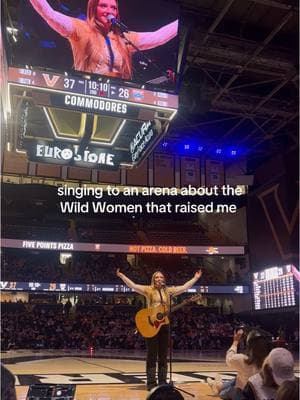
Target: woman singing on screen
{"x": 98, "y": 46}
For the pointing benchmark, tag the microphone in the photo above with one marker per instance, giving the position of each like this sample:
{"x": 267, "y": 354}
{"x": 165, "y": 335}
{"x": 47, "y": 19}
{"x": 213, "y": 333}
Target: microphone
{"x": 117, "y": 23}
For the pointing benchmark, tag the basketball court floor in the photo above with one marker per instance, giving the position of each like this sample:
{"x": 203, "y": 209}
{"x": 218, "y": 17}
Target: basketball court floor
{"x": 112, "y": 375}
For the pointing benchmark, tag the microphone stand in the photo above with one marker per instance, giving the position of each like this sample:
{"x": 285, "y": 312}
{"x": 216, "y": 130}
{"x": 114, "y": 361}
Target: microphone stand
{"x": 122, "y": 30}
{"x": 171, "y": 383}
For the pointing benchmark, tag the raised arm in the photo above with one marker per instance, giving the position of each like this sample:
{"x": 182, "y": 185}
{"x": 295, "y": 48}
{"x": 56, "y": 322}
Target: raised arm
{"x": 233, "y": 359}
{"x": 137, "y": 288}
{"x": 149, "y": 40}
{"x": 183, "y": 288}
{"x": 61, "y": 23}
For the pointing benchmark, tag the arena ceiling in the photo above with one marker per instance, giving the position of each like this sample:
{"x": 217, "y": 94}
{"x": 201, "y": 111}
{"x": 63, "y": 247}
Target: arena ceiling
{"x": 240, "y": 78}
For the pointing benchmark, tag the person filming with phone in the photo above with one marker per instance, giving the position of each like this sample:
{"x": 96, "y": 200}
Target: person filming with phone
{"x": 258, "y": 346}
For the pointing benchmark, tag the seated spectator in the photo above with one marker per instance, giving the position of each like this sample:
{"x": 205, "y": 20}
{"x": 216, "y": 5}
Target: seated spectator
{"x": 258, "y": 346}
{"x": 288, "y": 390}
{"x": 8, "y": 391}
{"x": 278, "y": 367}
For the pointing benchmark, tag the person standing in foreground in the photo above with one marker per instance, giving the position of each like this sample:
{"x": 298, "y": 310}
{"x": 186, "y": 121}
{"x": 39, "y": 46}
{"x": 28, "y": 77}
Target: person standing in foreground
{"x": 157, "y": 347}
{"x": 8, "y": 391}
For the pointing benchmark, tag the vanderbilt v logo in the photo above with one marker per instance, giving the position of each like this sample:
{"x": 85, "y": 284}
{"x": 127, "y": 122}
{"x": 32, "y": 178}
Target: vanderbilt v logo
{"x": 280, "y": 225}
{"x": 50, "y": 82}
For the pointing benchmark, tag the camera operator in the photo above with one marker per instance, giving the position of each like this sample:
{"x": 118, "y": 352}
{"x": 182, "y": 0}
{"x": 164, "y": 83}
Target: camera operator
{"x": 258, "y": 346}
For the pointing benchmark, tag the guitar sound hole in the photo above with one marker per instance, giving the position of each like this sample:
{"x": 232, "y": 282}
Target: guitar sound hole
{"x": 160, "y": 316}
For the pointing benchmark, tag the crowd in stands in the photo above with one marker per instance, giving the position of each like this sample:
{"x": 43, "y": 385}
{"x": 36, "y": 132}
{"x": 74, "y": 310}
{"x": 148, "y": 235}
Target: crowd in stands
{"x": 39, "y": 217}
{"x": 46, "y": 267}
{"x": 82, "y": 326}
{"x": 117, "y": 231}
{"x": 37, "y": 326}
{"x": 24, "y": 266}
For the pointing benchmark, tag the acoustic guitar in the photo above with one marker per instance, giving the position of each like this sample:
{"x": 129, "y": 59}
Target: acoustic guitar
{"x": 150, "y": 320}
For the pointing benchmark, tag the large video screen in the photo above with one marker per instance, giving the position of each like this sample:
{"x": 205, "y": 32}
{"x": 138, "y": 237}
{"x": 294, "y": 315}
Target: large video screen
{"x": 131, "y": 40}
{"x": 274, "y": 288}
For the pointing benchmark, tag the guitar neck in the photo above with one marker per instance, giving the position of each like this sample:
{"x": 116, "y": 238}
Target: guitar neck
{"x": 184, "y": 303}
{"x": 178, "y": 306}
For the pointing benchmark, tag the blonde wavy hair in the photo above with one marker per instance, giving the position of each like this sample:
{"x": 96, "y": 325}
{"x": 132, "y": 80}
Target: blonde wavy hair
{"x": 154, "y": 275}
{"x": 96, "y": 26}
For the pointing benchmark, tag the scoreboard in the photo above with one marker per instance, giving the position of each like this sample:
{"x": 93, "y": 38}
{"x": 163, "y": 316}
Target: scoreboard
{"x": 274, "y": 288}
{"x": 95, "y": 123}
{"x": 101, "y": 88}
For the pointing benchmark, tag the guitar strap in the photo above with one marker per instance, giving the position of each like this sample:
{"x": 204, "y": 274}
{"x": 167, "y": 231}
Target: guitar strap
{"x": 161, "y": 299}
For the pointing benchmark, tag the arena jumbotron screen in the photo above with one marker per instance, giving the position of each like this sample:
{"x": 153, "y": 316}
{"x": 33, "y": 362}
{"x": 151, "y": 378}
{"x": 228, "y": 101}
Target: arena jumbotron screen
{"x": 113, "y": 39}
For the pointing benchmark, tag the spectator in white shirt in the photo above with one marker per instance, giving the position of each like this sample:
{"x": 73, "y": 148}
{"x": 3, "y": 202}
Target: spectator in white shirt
{"x": 258, "y": 346}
